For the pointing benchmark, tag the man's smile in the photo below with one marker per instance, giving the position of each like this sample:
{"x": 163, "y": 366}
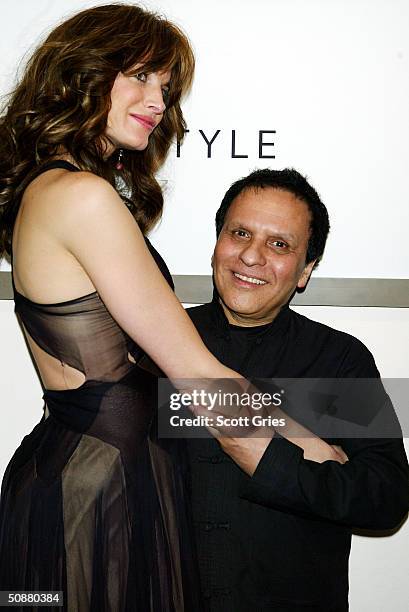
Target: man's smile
{"x": 250, "y": 279}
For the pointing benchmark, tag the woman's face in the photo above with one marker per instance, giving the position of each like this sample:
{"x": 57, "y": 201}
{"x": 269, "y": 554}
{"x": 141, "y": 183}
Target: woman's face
{"x": 137, "y": 107}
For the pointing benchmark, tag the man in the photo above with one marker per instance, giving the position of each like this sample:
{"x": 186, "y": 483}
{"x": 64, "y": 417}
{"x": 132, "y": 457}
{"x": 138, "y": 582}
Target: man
{"x": 274, "y": 528}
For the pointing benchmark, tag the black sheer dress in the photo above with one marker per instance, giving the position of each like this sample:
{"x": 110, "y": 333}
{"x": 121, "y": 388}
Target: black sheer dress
{"x": 92, "y": 503}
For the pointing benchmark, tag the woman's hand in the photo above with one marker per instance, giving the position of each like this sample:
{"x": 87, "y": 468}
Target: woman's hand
{"x": 244, "y": 433}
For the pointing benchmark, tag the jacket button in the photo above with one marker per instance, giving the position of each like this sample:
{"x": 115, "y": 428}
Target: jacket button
{"x": 223, "y": 525}
{"x": 217, "y": 459}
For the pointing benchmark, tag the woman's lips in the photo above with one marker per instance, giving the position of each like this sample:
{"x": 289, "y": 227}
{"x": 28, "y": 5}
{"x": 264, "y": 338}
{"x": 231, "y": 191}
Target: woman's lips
{"x": 145, "y": 121}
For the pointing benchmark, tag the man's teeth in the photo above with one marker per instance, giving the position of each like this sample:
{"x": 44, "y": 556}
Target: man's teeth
{"x": 247, "y": 279}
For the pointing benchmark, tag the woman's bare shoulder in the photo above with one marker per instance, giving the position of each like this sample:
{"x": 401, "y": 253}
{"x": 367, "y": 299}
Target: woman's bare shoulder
{"x": 61, "y": 198}
{"x": 80, "y": 190}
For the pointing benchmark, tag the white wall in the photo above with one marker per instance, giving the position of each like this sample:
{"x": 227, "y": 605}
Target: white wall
{"x": 332, "y": 79}
{"x": 378, "y": 566}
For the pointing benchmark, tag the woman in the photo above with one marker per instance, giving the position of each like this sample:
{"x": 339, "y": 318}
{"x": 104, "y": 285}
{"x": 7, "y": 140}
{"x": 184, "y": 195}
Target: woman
{"x": 91, "y": 505}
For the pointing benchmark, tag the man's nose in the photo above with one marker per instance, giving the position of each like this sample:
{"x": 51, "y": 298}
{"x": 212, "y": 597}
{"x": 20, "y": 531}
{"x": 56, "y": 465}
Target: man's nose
{"x": 154, "y": 98}
{"x": 253, "y": 254}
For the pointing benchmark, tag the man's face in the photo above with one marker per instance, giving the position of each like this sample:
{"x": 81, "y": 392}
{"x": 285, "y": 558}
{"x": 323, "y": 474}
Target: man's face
{"x": 259, "y": 257}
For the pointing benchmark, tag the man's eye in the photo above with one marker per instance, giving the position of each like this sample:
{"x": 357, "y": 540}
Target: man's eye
{"x": 280, "y": 244}
{"x": 240, "y": 233}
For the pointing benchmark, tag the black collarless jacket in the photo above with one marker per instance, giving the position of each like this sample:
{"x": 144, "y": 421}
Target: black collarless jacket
{"x": 280, "y": 540}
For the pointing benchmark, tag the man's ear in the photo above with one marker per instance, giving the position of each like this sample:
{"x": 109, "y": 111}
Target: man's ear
{"x": 305, "y": 275}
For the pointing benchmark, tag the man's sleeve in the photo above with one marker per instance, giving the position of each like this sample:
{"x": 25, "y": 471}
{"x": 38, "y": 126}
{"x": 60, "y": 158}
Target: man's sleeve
{"x": 370, "y": 491}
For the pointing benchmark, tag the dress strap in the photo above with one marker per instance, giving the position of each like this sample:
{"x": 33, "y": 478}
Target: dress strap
{"x": 57, "y": 163}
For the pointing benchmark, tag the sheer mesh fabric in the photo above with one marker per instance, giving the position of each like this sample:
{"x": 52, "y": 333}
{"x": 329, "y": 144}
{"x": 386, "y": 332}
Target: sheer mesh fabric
{"x": 80, "y": 333}
{"x": 92, "y": 503}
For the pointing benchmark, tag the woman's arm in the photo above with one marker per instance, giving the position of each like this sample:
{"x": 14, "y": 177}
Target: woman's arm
{"x": 99, "y": 231}
{"x": 248, "y": 452}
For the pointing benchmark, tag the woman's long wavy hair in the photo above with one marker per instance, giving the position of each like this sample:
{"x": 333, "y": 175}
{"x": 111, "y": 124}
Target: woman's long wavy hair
{"x": 63, "y": 99}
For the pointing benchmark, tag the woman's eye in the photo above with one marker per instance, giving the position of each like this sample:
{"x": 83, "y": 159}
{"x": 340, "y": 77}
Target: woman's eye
{"x": 142, "y": 76}
{"x": 165, "y": 93}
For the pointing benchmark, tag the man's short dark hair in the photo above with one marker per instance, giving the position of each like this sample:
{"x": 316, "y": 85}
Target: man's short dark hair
{"x": 287, "y": 180}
